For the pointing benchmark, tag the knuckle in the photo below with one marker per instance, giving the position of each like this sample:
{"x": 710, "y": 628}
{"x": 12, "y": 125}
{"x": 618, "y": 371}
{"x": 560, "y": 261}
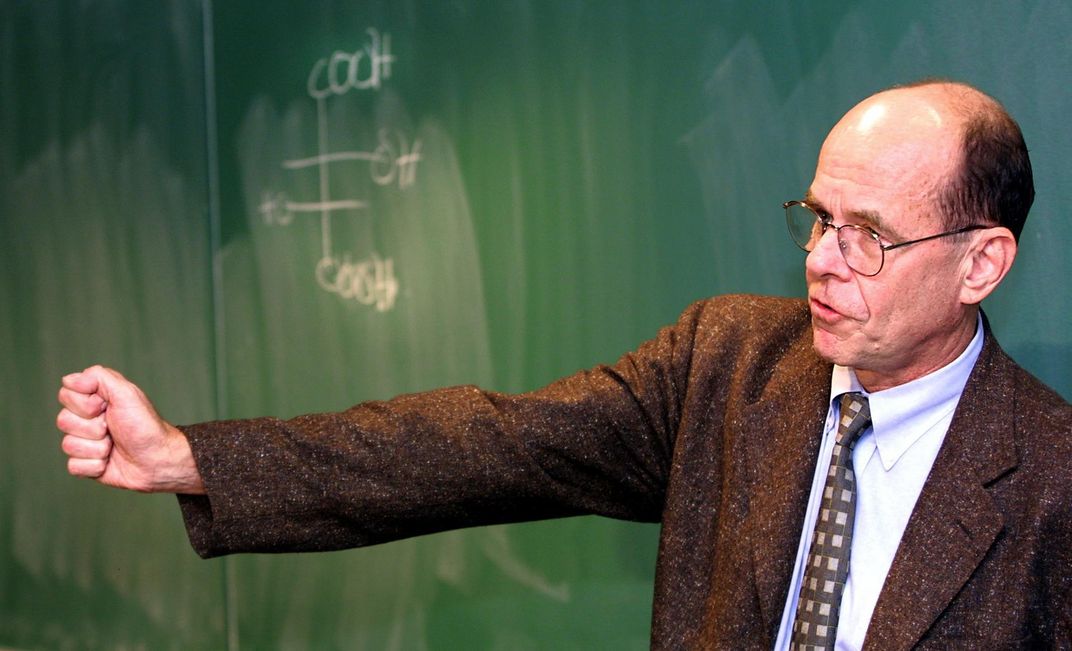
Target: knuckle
{"x": 66, "y": 397}
{"x": 91, "y": 468}
{"x": 76, "y": 467}
{"x": 67, "y": 421}
{"x": 70, "y": 423}
{"x": 73, "y": 446}
{"x": 94, "y": 404}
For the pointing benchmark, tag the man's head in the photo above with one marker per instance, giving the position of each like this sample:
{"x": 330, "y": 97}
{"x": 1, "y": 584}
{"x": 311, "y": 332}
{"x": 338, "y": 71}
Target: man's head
{"x": 908, "y": 163}
{"x": 993, "y": 182}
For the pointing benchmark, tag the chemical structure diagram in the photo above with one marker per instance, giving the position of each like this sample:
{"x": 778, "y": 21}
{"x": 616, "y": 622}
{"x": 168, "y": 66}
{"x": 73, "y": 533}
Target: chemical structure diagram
{"x": 392, "y": 161}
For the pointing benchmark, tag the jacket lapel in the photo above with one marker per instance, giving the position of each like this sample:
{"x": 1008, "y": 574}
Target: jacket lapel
{"x": 788, "y": 425}
{"x": 955, "y": 520}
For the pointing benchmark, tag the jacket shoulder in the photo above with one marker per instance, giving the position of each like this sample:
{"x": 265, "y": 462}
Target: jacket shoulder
{"x": 749, "y": 342}
{"x": 750, "y": 317}
{"x": 1019, "y": 389}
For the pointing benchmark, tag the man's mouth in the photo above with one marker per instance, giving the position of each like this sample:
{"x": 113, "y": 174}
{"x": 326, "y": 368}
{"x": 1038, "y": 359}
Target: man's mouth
{"x": 823, "y": 311}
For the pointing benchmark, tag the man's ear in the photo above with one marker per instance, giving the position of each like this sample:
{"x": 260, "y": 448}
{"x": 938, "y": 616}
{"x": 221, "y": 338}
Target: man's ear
{"x": 990, "y": 255}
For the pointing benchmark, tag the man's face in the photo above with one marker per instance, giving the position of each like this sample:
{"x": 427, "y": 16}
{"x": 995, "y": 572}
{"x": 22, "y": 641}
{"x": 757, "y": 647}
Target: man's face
{"x": 881, "y": 167}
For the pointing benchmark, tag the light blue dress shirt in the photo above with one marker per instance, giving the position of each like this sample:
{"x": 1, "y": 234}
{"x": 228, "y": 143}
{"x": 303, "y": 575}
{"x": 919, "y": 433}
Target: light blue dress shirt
{"x": 892, "y": 460}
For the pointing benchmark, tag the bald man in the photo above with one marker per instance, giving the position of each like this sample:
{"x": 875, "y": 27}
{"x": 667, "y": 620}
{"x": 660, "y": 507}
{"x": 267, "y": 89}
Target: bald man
{"x": 864, "y": 469}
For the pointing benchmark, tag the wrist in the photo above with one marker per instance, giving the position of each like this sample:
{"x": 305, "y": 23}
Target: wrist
{"x": 179, "y": 474}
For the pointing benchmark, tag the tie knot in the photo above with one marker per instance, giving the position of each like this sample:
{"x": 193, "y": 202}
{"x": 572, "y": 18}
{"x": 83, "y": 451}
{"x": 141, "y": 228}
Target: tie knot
{"x": 855, "y": 417}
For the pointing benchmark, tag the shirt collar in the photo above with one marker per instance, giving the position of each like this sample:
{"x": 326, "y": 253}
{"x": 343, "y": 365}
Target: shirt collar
{"x": 902, "y": 414}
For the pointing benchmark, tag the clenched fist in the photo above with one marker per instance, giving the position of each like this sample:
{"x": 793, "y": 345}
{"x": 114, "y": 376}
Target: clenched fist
{"x": 114, "y": 435}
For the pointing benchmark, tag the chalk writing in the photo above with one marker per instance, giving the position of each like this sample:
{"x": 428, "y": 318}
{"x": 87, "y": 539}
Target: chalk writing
{"x": 392, "y": 162}
{"x": 273, "y": 208}
{"x": 276, "y": 207}
{"x": 400, "y": 162}
{"x": 341, "y": 72}
{"x": 369, "y": 282}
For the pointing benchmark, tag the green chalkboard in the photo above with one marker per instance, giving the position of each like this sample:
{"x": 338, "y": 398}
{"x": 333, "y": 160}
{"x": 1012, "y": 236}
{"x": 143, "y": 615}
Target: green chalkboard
{"x": 276, "y": 208}
{"x": 105, "y": 257}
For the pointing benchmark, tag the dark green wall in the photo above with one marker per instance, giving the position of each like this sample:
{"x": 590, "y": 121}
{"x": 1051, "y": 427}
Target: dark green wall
{"x": 584, "y": 170}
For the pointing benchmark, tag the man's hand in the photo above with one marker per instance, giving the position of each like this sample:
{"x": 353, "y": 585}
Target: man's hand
{"x": 114, "y": 435}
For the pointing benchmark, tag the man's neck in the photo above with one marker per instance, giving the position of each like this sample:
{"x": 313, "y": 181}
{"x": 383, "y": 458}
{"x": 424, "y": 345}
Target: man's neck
{"x": 945, "y": 352}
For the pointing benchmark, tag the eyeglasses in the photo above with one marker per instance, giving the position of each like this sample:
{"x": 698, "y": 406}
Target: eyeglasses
{"x": 860, "y": 246}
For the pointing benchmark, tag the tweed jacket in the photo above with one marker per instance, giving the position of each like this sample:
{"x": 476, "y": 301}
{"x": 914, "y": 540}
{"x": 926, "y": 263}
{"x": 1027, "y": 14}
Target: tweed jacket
{"x": 712, "y": 428}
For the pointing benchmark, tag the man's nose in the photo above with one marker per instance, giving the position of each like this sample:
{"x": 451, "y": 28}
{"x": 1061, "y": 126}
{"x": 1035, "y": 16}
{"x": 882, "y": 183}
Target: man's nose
{"x": 826, "y": 258}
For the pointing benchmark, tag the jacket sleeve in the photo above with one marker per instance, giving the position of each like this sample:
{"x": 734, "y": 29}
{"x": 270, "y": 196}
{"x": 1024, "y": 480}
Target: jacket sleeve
{"x": 597, "y": 442}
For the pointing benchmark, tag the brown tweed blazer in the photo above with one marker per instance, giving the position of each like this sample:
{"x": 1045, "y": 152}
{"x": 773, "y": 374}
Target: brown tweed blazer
{"x": 712, "y": 428}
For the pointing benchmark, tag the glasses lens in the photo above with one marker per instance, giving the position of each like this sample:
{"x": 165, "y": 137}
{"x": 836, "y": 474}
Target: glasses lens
{"x": 861, "y": 250}
{"x": 804, "y": 225}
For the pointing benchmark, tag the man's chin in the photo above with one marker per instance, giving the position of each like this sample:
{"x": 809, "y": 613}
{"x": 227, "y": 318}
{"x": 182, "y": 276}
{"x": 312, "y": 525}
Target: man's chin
{"x": 829, "y": 347}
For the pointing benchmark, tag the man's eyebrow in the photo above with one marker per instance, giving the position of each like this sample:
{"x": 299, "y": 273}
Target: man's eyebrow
{"x": 871, "y": 218}
{"x": 875, "y": 222}
{"x": 810, "y": 199}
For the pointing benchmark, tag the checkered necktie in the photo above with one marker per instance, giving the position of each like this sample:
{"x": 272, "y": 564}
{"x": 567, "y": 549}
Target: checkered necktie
{"x": 828, "y": 559}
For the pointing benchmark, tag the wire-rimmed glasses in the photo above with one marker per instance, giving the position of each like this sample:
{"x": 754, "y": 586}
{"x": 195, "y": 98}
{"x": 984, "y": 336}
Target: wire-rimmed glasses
{"x": 860, "y": 246}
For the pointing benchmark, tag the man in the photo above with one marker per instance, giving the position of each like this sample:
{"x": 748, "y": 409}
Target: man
{"x": 952, "y": 465}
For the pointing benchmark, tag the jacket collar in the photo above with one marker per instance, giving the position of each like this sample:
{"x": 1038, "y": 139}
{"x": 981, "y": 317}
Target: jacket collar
{"x": 946, "y": 538}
